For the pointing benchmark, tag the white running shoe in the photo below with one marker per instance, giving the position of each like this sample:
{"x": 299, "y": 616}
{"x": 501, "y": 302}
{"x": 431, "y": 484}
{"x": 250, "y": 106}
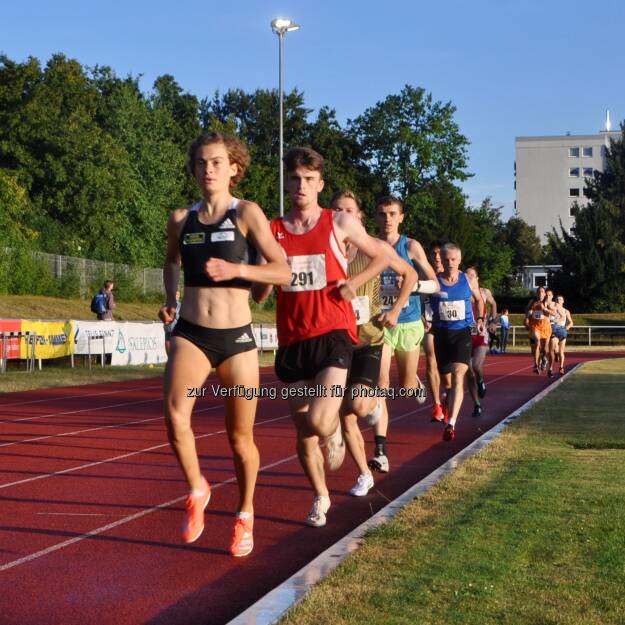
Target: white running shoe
{"x": 421, "y": 392}
{"x": 379, "y": 464}
{"x": 335, "y": 449}
{"x": 317, "y": 515}
{"x": 363, "y": 485}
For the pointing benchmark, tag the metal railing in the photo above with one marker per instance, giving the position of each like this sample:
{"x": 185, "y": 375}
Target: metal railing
{"x": 598, "y": 336}
{"x": 30, "y": 339}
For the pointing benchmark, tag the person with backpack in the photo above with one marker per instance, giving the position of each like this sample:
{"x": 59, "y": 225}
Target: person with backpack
{"x": 103, "y": 302}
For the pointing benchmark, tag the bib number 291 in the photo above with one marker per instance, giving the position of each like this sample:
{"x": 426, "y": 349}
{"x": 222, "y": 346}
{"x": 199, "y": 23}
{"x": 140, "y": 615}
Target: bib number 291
{"x": 308, "y": 273}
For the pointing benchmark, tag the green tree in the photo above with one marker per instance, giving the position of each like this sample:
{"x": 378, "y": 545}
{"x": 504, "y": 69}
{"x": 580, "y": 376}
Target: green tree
{"x": 409, "y": 140}
{"x": 154, "y": 162}
{"x": 593, "y": 254}
{"x": 522, "y": 240}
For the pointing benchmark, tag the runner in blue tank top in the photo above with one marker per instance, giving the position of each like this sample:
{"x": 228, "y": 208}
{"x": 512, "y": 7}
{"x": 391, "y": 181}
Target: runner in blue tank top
{"x": 405, "y": 338}
{"x": 452, "y": 318}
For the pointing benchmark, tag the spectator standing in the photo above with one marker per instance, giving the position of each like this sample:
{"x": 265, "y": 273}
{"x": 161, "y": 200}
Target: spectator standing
{"x": 504, "y": 322}
{"x": 107, "y": 291}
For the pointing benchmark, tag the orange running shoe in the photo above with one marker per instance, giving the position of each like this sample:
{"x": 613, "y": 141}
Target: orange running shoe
{"x": 242, "y": 537}
{"x": 437, "y": 413}
{"x": 193, "y": 524}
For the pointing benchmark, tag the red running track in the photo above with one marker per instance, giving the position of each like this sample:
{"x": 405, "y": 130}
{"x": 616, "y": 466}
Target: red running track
{"x": 91, "y": 499}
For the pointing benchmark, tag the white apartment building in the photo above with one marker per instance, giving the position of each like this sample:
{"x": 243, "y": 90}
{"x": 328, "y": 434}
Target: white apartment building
{"x": 550, "y": 175}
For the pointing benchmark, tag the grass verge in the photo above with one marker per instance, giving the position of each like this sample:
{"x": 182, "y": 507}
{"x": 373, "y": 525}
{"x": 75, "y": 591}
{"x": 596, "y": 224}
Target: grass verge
{"x": 530, "y": 531}
{"x": 39, "y": 307}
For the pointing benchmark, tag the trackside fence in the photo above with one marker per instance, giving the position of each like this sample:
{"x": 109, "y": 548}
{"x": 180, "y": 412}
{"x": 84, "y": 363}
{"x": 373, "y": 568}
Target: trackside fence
{"x": 590, "y": 336}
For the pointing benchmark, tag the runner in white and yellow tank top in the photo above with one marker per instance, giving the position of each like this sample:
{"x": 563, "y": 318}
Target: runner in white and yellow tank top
{"x": 362, "y": 398}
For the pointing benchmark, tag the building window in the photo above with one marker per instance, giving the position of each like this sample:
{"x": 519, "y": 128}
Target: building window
{"x": 588, "y": 172}
{"x": 574, "y": 192}
{"x": 539, "y": 279}
{"x": 587, "y": 151}
{"x": 574, "y": 152}
{"x": 573, "y": 210}
{"x": 573, "y": 172}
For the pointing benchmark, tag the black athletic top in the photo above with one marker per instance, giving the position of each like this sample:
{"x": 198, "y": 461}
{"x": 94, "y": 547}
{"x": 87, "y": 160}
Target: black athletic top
{"x": 198, "y": 242}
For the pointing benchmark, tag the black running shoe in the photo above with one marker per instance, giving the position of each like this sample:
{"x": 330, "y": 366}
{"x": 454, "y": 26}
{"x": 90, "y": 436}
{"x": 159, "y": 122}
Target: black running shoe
{"x": 477, "y": 410}
{"x": 481, "y": 388}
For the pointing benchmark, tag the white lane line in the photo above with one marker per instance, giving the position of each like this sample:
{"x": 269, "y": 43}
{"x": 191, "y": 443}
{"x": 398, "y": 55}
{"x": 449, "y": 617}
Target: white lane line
{"x": 89, "y": 396}
{"x": 100, "y": 530}
{"x": 104, "y": 427}
{"x": 91, "y": 409}
{"x": 68, "y": 412}
{"x": 128, "y": 519}
{"x": 84, "y": 395}
{"x": 148, "y": 449}
{"x": 122, "y": 456}
{"x": 270, "y": 608}
{"x": 77, "y": 514}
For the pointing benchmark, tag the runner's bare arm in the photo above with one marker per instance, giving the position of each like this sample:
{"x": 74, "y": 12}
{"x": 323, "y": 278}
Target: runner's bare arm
{"x": 569, "y": 320}
{"x": 260, "y": 292}
{"x": 171, "y": 268}
{"x": 274, "y": 270}
{"x": 408, "y": 279}
{"x": 490, "y": 301}
{"x": 417, "y": 253}
{"x": 481, "y": 307}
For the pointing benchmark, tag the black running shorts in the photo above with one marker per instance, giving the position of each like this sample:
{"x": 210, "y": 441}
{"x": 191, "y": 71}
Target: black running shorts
{"x": 217, "y": 344}
{"x": 305, "y": 359}
{"x": 452, "y": 346}
{"x": 365, "y": 367}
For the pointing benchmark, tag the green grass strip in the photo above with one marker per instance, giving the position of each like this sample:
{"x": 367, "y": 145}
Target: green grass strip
{"x": 530, "y": 531}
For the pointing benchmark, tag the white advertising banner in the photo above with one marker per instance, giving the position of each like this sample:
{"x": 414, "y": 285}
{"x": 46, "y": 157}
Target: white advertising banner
{"x": 136, "y": 343}
{"x": 266, "y": 337}
{"x": 139, "y": 344}
{"x": 95, "y": 337}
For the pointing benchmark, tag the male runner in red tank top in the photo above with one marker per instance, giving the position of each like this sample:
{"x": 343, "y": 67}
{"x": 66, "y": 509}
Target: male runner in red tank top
{"x": 316, "y": 322}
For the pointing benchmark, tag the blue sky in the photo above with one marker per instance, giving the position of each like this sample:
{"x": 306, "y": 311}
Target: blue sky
{"x": 511, "y": 68}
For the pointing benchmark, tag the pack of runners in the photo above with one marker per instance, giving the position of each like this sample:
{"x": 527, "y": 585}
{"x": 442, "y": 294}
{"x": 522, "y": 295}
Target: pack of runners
{"x": 347, "y": 302}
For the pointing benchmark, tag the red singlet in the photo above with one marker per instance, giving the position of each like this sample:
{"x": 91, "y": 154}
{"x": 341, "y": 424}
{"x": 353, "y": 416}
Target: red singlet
{"x": 312, "y": 305}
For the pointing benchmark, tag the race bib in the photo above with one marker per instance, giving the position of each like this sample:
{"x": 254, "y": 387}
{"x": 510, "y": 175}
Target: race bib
{"x": 308, "y": 273}
{"x": 361, "y": 309}
{"x": 474, "y": 329}
{"x": 537, "y": 314}
{"x": 451, "y": 310}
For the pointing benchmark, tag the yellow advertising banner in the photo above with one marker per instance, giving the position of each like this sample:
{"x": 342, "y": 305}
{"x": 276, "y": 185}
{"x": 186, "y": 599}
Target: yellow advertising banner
{"x": 54, "y": 339}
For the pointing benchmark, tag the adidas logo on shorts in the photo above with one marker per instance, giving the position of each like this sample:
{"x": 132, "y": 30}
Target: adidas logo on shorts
{"x": 244, "y": 338}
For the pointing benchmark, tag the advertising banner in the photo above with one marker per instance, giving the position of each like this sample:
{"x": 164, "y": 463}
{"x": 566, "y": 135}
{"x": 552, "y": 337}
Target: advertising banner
{"x": 139, "y": 344}
{"x": 9, "y": 346}
{"x": 95, "y": 336}
{"x": 54, "y": 339}
{"x": 266, "y": 337}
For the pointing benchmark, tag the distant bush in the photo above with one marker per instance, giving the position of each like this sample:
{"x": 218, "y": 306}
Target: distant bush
{"x": 23, "y": 273}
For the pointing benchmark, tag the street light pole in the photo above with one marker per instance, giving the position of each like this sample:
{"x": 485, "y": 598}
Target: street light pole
{"x": 282, "y": 26}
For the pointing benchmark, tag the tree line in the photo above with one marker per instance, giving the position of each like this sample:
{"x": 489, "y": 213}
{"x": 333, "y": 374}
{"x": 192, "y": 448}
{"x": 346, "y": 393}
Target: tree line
{"x": 91, "y": 166}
